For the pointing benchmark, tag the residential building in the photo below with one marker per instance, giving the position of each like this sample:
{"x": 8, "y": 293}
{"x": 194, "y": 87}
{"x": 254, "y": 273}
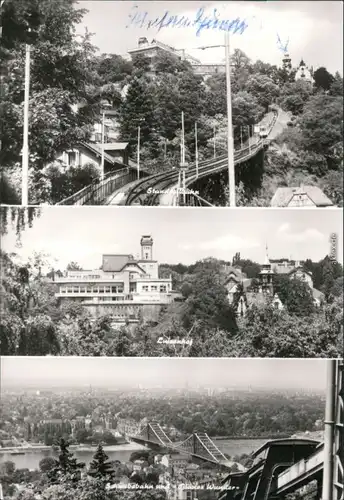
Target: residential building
{"x": 303, "y": 196}
{"x": 116, "y": 155}
{"x": 245, "y": 291}
{"x": 124, "y": 287}
{"x": 176, "y": 461}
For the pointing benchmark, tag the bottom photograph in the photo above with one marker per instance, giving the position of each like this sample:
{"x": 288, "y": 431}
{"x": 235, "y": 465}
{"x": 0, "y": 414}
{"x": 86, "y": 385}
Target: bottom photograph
{"x": 171, "y": 428}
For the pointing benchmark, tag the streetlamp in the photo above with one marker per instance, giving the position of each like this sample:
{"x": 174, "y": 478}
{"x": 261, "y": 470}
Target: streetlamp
{"x": 25, "y": 150}
{"x": 230, "y": 148}
{"x": 105, "y": 107}
{"x": 138, "y": 151}
{"x": 196, "y": 150}
{"x": 183, "y": 164}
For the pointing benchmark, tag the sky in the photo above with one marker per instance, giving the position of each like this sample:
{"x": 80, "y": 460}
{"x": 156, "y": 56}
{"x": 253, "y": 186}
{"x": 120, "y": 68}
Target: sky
{"x": 75, "y": 372}
{"x": 84, "y": 234}
{"x": 314, "y": 29}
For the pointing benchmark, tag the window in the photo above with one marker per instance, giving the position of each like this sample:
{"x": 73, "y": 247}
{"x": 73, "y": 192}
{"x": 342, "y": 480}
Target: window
{"x": 107, "y": 289}
{"x": 146, "y": 254}
{"x": 82, "y": 289}
{"x": 120, "y": 290}
{"x": 154, "y": 288}
{"x": 163, "y": 288}
{"x": 71, "y": 158}
{"x": 145, "y": 288}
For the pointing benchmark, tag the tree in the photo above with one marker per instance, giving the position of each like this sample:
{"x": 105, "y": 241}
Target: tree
{"x": 246, "y": 109}
{"x": 46, "y": 464}
{"x": 208, "y": 303}
{"x": 66, "y": 465}
{"x": 336, "y": 88}
{"x": 112, "y": 68}
{"x": 137, "y": 109}
{"x": 323, "y": 79}
{"x": 263, "y": 88}
{"x": 272, "y": 333}
{"x": 61, "y": 78}
{"x": 101, "y": 467}
{"x": 294, "y": 96}
{"x": 295, "y": 295}
{"x": 73, "y": 266}
{"x": 321, "y": 123}
{"x": 8, "y": 468}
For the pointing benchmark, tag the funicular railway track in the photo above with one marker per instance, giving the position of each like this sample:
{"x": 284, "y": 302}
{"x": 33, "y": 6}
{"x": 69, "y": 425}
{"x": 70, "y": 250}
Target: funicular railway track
{"x": 165, "y": 180}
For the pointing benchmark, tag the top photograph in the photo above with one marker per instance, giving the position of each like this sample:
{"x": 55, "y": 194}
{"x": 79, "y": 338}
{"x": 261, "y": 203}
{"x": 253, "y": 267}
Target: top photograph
{"x": 171, "y": 104}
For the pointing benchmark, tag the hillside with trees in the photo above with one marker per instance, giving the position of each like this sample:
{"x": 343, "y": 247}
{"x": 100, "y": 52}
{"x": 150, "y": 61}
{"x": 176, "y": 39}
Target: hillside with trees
{"x": 67, "y": 71}
{"x": 35, "y": 322}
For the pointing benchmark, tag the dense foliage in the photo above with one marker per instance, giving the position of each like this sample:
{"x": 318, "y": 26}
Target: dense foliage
{"x": 68, "y": 479}
{"x": 65, "y": 91}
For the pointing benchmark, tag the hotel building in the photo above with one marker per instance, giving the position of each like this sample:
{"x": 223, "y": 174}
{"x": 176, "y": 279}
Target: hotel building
{"x": 124, "y": 287}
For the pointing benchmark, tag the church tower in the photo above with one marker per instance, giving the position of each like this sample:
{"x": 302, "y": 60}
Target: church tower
{"x": 146, "y": 248}
{"x": 266, "y": 276}
{"x": 287, "y": 63}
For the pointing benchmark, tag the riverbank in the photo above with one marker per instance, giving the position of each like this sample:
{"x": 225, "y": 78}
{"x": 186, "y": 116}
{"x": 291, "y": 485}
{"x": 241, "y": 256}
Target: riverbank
{"x": 73, "y": 447}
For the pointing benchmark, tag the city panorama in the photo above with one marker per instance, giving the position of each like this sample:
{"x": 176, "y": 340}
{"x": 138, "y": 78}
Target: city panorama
{"x": 171, "y": 429}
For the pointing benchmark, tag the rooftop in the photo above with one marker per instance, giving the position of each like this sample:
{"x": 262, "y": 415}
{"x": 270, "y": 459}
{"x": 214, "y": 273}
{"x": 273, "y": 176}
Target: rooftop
{"x": 285, "y": 442}
{"x": 115, "y": 146}
{"x": 284, "y": 196}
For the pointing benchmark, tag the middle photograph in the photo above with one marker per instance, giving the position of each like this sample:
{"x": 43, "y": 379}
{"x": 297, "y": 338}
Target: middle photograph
{"x": 94, "y": 281}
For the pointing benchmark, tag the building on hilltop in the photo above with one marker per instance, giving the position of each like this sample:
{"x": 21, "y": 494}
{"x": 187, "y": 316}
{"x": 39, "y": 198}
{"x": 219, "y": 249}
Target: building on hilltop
{"x": 302, "y": 72}
{"x": 244, "y": 292}
{"x": 125, "y": 287}
{"x": 155, "y": 48}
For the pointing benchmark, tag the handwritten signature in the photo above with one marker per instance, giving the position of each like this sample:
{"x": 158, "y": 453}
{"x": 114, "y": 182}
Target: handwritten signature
{"x": 282, "y": 46}
{"x": 200, "y": 22}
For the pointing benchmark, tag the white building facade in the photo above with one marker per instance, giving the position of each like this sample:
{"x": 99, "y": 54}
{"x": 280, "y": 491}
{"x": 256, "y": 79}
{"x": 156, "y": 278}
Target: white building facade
{"x": 122, "y": 281}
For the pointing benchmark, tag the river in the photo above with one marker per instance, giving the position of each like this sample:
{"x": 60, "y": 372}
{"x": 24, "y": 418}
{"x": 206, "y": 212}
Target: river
{"x": 31, "y": 457}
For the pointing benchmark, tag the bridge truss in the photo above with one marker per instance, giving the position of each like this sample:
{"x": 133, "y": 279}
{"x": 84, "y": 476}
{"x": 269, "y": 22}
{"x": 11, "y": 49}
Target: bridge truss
{"x": 198, "y": 444}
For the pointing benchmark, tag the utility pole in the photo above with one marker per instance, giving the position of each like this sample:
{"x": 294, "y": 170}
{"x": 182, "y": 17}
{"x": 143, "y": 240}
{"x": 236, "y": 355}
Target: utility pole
{"x": 230, "y": 148}
{"x": 181, "y": 176}
{"x": 249, "y": 141}
{"x": 196, "y": 150}
{"x": 138, "y": 151}
{"x": 241, "y": 136}
{"x": 103, "y": 139}
{"x": 25, "y": 151}
{"x": 214, "y": 141}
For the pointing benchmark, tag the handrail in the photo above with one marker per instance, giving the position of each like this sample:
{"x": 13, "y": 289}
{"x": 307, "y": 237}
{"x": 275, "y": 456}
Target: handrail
{"x": 300, "y": 468}
{"x": 96, "y": 192}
